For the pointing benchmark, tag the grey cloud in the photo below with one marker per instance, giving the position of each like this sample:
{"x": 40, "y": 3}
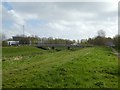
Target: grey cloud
{"x": 66, "y": 10}
{"x": 73, "y": 20}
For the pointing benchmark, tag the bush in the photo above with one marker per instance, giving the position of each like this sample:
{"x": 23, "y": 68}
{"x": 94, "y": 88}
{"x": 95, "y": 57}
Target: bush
{"x": 4, "y": 43}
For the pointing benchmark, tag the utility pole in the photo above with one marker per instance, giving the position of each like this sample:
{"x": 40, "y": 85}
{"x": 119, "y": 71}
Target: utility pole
{"x": 23, "y": 30}
{"x": 23, "y": 27}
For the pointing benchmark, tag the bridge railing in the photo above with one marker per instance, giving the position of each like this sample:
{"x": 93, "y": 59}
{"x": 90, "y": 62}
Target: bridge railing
{"x": 55, "y": 45}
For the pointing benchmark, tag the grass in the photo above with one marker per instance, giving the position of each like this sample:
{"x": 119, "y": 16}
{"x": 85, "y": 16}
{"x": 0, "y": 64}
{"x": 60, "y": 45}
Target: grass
{"x": 30, "y": 67}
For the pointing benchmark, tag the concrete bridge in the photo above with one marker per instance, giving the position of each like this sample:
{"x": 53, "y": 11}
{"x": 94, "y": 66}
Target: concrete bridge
{"x": 53, "y": 46}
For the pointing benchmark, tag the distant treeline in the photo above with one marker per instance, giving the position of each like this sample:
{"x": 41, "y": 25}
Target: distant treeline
{"x": 36, "y": 40}
{"x": 100, "y": 40}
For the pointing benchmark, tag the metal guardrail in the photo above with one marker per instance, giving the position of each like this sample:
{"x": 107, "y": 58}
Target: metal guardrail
{"x": 57, "y": 45}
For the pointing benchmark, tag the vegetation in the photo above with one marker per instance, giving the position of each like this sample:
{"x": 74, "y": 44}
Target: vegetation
{"x": 90, "y": 67}
{"x": 34, "y": 40}
{"x": 99, "y": 40}
{"x": 116, "y": 41}
{"x": 4, "y": 43}
{"x": 30, "y": 67}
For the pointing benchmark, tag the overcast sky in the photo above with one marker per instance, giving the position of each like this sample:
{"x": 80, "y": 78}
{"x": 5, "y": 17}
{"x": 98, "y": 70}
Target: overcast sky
{"x": 70, "y": 20}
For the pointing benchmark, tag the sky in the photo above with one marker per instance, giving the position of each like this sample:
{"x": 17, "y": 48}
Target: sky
{"x": 68, "y": 20}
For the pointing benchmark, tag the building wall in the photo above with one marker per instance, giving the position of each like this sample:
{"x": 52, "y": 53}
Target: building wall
{"x": 12, "y": 43}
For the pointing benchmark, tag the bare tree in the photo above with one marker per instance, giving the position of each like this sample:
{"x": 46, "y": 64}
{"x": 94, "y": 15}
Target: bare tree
{"x": 101, "y": 33}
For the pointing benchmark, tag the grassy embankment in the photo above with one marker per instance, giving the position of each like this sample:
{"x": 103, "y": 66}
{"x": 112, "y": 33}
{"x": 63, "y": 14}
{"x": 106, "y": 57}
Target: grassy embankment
{"x": 30, "y": 67}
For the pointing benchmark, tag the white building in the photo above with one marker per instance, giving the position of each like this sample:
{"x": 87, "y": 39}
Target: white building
{"x": 13, "y": 43}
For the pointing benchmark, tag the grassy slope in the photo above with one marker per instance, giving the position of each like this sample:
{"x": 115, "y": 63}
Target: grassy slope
{"x": 89, "y": 67}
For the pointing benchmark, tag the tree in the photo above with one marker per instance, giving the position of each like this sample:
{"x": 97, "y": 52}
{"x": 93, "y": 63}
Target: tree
{"x": 99, "y": 41}
{"x": 3, "y": 36}
{"x": 101, "y": 33}
{"x": 84, "y": 42}
{"x": 90, "y": 41}
{"x": 78, "y": 41}
{"x": 4, "y": 43}
{"x": 116, "y": 41}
